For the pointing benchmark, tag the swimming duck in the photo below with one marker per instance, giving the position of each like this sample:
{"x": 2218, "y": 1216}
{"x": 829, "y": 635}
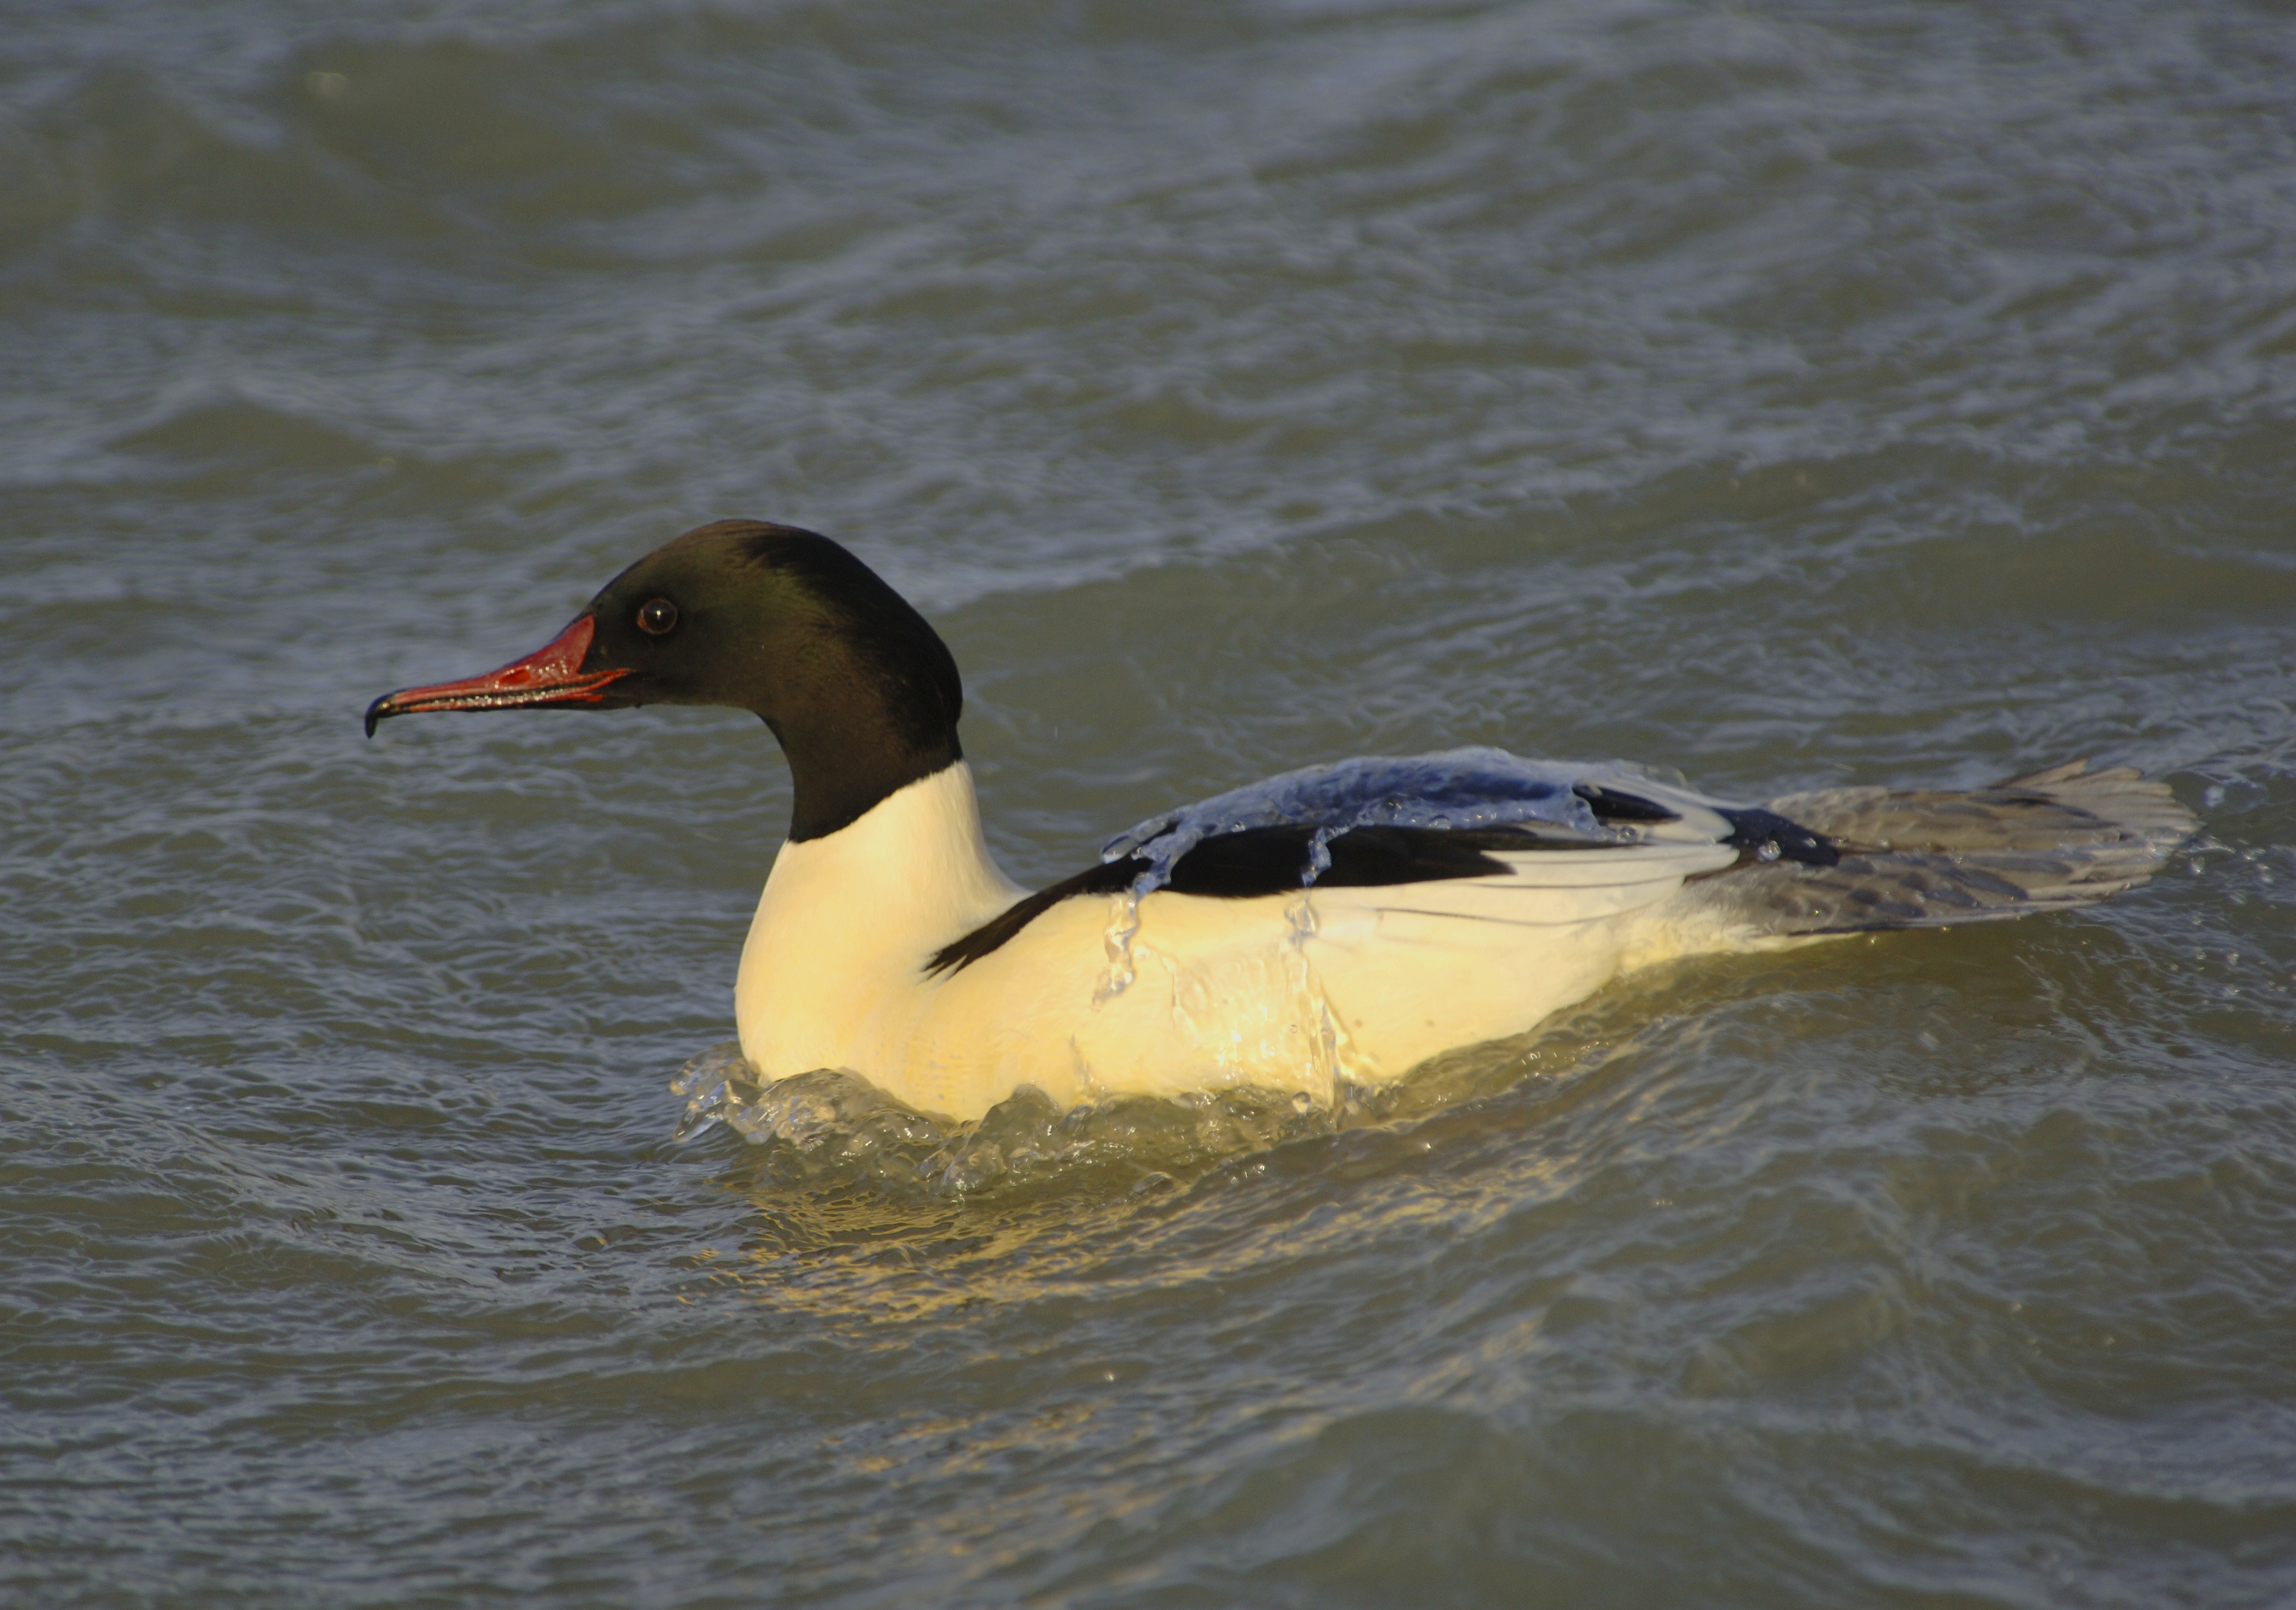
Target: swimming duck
{"x": 1327, "y": 928}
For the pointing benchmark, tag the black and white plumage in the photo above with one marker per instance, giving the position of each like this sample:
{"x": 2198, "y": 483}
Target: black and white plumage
{"x": 1333, "y": 926}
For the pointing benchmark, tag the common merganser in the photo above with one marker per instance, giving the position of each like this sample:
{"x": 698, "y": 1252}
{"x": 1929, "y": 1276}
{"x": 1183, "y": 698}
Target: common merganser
{"x": 1330, "y": 928}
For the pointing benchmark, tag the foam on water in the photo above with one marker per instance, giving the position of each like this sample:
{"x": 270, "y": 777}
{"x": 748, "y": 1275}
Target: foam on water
{"x": 837, "y": 1129}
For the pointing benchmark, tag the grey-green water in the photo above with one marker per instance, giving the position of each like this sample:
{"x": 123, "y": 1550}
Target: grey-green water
{"x": 1871, "y": 392}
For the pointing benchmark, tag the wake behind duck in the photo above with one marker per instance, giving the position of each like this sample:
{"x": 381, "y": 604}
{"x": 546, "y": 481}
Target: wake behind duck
{"x": 1330, "y": 927}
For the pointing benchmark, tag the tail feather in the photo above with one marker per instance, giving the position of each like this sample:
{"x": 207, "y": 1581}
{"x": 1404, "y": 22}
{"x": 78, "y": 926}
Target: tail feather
{"x": 1925, "y": 858}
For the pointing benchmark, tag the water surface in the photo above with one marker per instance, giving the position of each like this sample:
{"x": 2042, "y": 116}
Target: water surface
{"x": 1866, "y": 393}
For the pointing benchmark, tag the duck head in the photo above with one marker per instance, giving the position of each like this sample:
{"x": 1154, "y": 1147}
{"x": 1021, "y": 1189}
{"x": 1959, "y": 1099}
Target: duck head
{"x": 861, "y": 693}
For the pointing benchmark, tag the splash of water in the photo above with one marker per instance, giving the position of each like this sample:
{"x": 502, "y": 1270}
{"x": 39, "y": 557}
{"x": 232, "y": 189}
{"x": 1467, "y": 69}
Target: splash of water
{"x": 830, "y": 1129}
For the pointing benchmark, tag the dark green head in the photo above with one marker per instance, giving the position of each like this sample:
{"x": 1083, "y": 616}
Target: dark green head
{"x": 862, "y": 693}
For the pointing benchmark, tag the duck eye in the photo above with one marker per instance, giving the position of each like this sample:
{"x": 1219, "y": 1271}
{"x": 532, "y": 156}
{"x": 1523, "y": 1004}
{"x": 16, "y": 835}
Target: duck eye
{"x": 657, "y": 616}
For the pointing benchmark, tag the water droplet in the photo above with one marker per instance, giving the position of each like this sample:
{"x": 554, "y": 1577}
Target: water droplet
{"x": 1116, "y": 940}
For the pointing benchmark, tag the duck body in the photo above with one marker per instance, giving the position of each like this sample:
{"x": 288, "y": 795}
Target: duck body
{"x": 1110, "y": 992}
{"x": 1329, "y": 928}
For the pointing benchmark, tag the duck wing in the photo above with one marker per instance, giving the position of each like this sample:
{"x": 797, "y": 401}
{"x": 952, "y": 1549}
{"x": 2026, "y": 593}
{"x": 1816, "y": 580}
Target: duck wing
{"x": 1608, "y": 841}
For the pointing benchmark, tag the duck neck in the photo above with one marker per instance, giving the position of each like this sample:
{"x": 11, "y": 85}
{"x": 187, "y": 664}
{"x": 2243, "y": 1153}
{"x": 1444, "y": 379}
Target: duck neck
{"x": 840, "y": 772}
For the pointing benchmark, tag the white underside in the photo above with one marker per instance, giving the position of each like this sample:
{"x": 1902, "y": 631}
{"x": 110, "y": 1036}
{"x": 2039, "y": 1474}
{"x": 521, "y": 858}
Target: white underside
{"x": 1298, "y": 992}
